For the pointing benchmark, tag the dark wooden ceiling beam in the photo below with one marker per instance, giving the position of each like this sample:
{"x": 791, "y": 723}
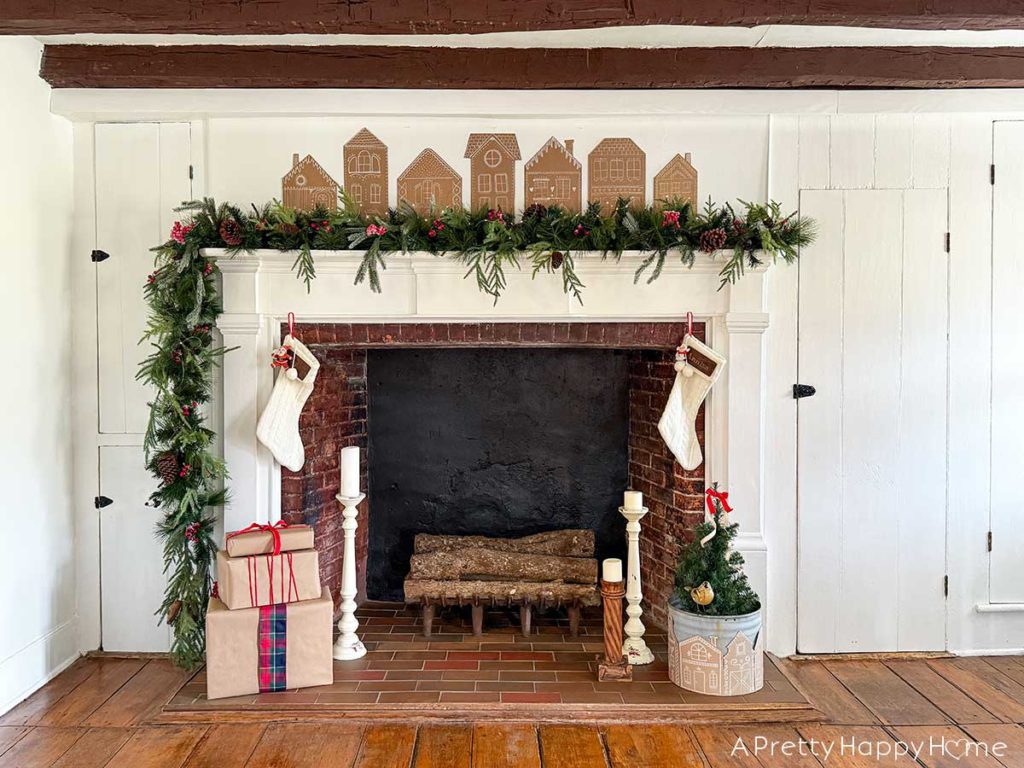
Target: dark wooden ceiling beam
{"x": 54, "y": 17}
{"x": 93, "y": 66}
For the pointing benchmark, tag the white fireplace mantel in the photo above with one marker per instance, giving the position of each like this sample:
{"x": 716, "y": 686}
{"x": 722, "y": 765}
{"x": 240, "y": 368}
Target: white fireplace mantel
{"x": 259, "y": 290}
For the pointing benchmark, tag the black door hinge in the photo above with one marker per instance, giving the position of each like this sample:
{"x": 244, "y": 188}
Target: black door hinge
{"x": 803, "y": 390}
{"x": 947, "y": 242}
{"x": 992, "y": 174}
{"x": 945, "y": 586}
{"x": 98, "y": 256}
{"x": 102, "y": 501}
{"x": 989, "y": 541}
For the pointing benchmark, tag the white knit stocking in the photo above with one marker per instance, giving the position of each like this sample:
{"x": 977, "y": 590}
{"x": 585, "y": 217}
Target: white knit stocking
{"x": 278, "y": 428}
{"x": 677, "y": 425}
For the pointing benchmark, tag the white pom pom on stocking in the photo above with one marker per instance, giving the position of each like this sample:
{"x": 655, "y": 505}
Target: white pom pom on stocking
{"x": 694, "y": 379}
{"x": 278, "y": 428}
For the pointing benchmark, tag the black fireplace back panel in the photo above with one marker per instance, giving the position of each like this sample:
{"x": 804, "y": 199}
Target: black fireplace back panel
{"x": 499, "y": 442}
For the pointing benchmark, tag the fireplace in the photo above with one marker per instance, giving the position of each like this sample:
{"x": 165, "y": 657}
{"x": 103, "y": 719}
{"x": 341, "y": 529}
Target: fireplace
{"x": 427, "y": 304}
{"x": 501, "y": 429}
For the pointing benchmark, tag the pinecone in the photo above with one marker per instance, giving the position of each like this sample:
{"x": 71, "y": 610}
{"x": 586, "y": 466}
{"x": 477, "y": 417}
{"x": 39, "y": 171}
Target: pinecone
{"x": 557, "y": 259}
{"x": 535, "y": 211}
{"x": 173, "y": 610}
{"x": 231, "y": 232}
{"x": 167, "y": 463}
{"x": 712, "y": 240}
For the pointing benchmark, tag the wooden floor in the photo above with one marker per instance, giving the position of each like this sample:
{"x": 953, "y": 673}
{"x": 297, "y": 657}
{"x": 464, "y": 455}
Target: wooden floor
{"x": 101, "y": 712}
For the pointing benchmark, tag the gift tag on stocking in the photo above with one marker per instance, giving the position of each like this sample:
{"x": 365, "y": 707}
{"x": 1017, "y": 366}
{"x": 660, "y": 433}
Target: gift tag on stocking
{"x": 278, "y": 427}
{"x": 695, "y": 375}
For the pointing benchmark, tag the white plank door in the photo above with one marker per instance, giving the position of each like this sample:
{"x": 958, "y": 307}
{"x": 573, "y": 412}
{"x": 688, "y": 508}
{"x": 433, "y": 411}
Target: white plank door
{"x": 872, "y": 441}
{"x": 131, "y": 556}
{"x": 1007, "y": 523}
{"x": 142, "y": 174}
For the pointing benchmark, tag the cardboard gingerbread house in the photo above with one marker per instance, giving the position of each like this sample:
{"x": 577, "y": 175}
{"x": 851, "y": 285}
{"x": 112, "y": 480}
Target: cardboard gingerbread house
{"x": 554, "y": 176}
{"x": 616, "y": 168}
{"x": 676, "y": 181}
{"x": 429, "y": 182}
{"x": 492, "y": 161}
{"x": 308, "y": 185}
{"x": 366, "y": 173}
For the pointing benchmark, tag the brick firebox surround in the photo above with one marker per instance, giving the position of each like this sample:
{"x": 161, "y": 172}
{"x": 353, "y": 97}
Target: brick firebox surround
{"x": 336, "y": 416}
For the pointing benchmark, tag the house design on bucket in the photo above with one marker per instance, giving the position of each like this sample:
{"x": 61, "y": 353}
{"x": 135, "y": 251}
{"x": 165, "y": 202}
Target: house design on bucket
{"x": 700, "y": 663}
{"x": 677, "y": 181}
{"x": 308, "y": 185}
{"x": 742, "y": 669}
{"x": 616, "y": 168}
{"x": 429, "y": 182}
{"x": 366, "y": 173}
{"x": 554, "y": 176}
{"x": 492, "y": 161}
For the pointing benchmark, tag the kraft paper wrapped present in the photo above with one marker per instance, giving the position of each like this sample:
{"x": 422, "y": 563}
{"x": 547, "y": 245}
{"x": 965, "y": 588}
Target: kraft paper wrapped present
{"x": 255, "y": 580}
{"x": 264, "y": 539}
{"x": 273, "y": 648}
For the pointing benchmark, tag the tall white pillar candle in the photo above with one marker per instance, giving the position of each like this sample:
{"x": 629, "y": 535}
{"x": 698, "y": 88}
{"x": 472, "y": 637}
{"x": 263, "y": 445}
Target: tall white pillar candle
{"x": 633, "y": 500}
{"x": 350, "y": 471}
{"x": 611, "y": 570}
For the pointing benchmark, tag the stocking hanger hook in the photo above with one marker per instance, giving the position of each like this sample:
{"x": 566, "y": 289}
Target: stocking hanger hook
{"x": 291, "y": 324}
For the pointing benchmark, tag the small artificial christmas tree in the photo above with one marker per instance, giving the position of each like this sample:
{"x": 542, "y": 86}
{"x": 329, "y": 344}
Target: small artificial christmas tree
{"x": 713, "y": 564}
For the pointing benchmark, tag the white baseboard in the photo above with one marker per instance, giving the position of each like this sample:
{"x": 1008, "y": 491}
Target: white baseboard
{"x": 32, "y": 667}
{"x": 987, "y": 651}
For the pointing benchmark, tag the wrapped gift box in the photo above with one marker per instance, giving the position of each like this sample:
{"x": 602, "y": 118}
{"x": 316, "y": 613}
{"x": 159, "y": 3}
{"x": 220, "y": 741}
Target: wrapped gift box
{"x": 272, "y": 648}
{"x": 262, "y": 541}
{"x": 256, "y": 580}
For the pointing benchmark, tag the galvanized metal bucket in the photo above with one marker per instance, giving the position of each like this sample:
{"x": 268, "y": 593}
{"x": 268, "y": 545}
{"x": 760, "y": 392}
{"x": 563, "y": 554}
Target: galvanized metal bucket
{"x": 715, "y": 655}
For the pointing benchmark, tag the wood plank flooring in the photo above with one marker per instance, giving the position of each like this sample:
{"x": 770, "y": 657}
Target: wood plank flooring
{"x": 908, "y": 713}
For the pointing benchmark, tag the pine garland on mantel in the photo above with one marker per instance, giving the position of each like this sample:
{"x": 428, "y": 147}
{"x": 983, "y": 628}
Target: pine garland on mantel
{"x": 184, "y": 306}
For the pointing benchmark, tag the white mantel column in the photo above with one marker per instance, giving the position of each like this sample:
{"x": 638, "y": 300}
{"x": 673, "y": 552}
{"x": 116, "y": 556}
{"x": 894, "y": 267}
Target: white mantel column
{"x": 745, "y": 325}
{"x": 243, "y": 332}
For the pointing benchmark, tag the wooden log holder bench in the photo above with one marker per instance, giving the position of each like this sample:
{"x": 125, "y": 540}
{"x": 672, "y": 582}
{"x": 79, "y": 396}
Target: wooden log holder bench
{"x": 555, "y": 569}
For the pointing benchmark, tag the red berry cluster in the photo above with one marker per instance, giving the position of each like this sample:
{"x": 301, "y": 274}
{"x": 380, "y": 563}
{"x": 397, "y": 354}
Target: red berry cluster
{"x": 324, "y": 225}
{"x": 176, "y": 357}
{"x": 208, "y": 268}
{"x": 186, "y": 410}
{"x": 496, "y": 214}
{"x": 151, "y": 278}
{"x": 192, "y": 531}
{"x": 581, "y": 231}
{"x": 670, "y": 220}
{"x": 215, "y": 590}
{"x": 199, "y": 330}
{"x": 437, "y": 226}
{"x": 185, "y": 469}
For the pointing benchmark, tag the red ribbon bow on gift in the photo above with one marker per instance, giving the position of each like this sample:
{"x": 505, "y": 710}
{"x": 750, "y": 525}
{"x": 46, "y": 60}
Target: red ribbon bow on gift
{"x": 274, "y": 530}
{"x": 722, "y": 496}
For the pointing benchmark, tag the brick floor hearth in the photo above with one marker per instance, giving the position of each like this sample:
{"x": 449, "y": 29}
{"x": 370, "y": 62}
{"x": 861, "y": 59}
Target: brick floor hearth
{"x": 550, "y": 675}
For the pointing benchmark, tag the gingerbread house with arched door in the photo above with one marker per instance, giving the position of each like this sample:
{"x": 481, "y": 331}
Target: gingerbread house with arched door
{"x": 307, "y": 185}
{"x": 366, "y": 173}
{"x": 430, "y": 183}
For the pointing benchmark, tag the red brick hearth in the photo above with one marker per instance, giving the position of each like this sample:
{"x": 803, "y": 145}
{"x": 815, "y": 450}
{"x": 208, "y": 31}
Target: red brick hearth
{"x": 336, "y": 415}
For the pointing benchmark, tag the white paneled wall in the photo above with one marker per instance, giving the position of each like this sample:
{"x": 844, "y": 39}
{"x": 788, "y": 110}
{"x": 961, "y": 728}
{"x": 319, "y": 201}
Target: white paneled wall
{"x": 889, "y": 176}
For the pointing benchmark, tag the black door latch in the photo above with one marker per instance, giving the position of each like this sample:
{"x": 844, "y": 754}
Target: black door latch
{"x": 802, "y": 390}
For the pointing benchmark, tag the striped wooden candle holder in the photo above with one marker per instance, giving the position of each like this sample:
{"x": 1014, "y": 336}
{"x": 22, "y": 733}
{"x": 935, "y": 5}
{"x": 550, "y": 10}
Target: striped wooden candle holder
{"x": 614, "y": 666}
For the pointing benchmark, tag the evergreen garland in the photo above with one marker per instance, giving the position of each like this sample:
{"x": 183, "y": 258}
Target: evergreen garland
{"x": 184, "y": 306}
{"x": 720, "y": 566}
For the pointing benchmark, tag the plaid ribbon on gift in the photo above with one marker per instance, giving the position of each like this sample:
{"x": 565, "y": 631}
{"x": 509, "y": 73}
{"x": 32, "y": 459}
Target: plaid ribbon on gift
{"x": 272, "y": 642}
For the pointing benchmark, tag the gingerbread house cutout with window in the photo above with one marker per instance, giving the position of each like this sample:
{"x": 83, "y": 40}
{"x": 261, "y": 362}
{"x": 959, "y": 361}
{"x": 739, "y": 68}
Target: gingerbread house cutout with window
{"x": 307, "y": 185}
{"x": 554, "y": 176}
{"x": 366, "y": 173}
{"x": 616, "y": 168}
{"x": 676, "y": 181}
{"x": 492, "y": 161}
{"x": 430, "y": 183}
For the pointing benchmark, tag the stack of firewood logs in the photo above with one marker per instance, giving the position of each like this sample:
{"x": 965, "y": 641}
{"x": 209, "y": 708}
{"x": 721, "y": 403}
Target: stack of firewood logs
{"x": 557, "y": 568}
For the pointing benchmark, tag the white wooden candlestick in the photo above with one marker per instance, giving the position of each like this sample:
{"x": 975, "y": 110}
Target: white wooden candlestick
{"x": 348, "y": 646}
{"x": 634, "y": 647}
